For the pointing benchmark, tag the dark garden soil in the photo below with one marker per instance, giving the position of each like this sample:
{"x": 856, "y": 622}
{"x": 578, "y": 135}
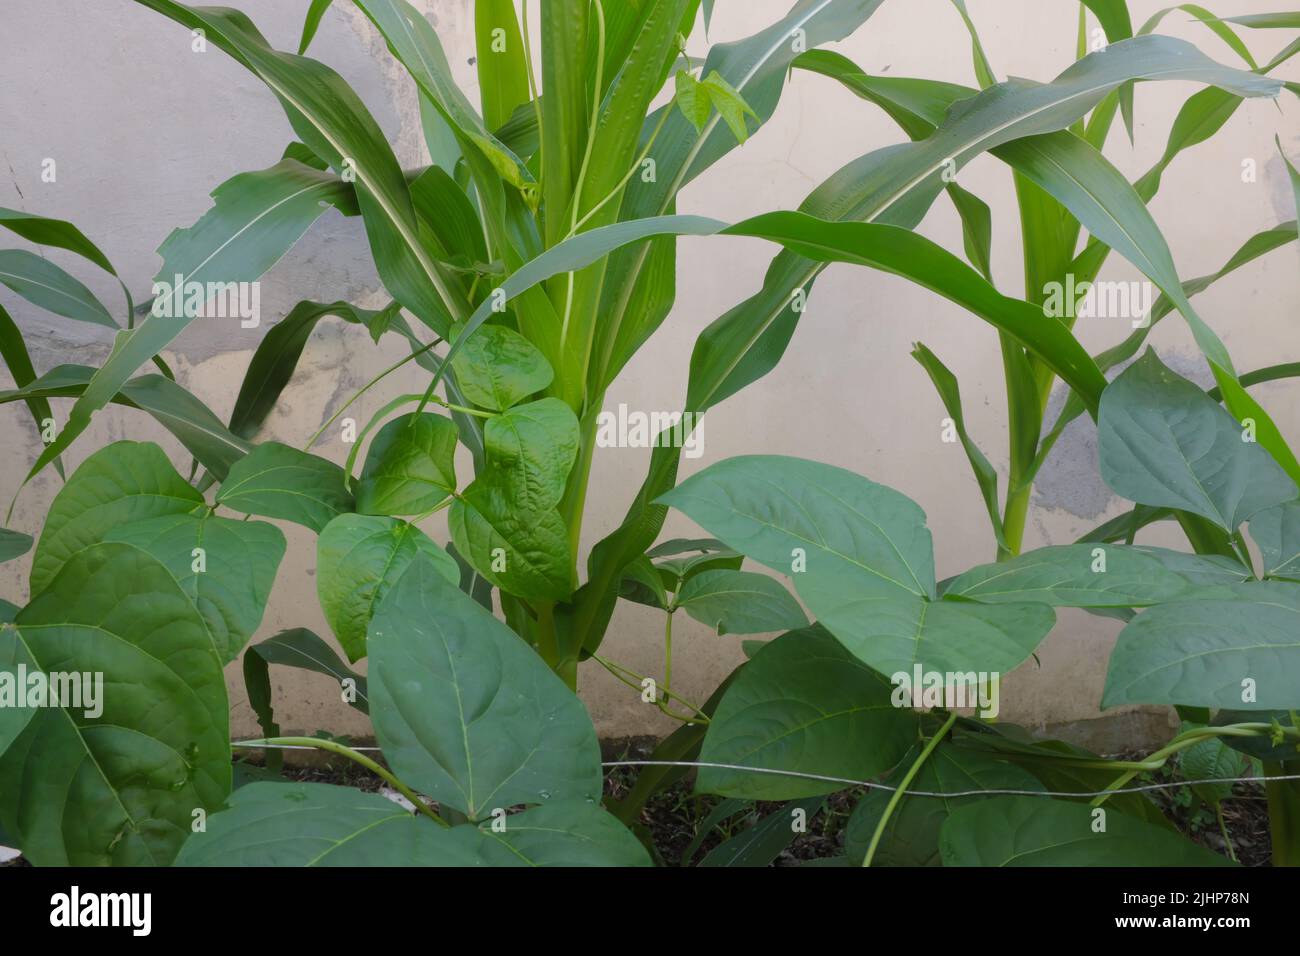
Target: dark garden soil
{"x": 673, "y": 818}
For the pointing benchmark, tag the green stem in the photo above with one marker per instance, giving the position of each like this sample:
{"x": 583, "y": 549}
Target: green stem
{"x": 362, "y": 759}
{"x": 634, "y": 680}
{"x": 668, "y": 649}
{"x": 365, "y": 388}
{"x": 904, "y": 784}
{"x": 1223, "y": 829}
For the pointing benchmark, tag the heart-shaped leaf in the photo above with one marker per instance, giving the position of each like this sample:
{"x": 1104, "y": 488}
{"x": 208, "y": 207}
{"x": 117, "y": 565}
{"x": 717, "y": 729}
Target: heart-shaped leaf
{"x": 119, "y": 786}
{"x": 358, "y": 559}
{"x": 465, "y": 711}
{"x": 497, "y": 367}
{"x": 740, "y": 602}
{"x": 1164, "y": 442}
{"x": 803, "y": 704}
{"x": 410, "y": 467}
{"x": 277, "y": 481}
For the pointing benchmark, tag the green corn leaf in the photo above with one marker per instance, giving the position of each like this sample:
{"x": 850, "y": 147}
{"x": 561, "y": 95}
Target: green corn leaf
{"x": 502, "y": 70}
{"x": 42, "y": 283}
{"x": 13, "y": 544}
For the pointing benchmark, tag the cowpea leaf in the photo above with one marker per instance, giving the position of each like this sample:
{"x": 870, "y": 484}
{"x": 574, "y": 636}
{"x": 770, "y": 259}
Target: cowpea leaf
{"x": 118, "y": 787}
{"x": 122, "y": 483}
{"x": 316, "y": 824}
{"x": 1032, "y": 831}
{"x": 740, "y": 602}
{"x": 410, "y": 467}
{"x": 300, "y": 648}
{"x": 1164, "y": 442}
{"x": 277, "y": 481}
{"x": 911, "y": 837}
{"x": 802, "y": 704}
{"x": 1239, "y": 654}
{"x": 532, "y": 449}
{"x": 226, "y": 567}
{"x": 1073, "y": 575}
{"x": 497, "y": 367}
{"x": 358, "y": 560}
{"x": 1277, "y": 532}
{"x": 466, "y": 712}
{"x": 522, "y": 549}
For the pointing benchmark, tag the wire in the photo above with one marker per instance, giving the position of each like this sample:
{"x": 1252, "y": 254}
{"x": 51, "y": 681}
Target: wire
{"x": 872, "y": 785}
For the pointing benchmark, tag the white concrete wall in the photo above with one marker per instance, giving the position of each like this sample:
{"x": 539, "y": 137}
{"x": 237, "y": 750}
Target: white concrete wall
{"x": 142, "y": 128}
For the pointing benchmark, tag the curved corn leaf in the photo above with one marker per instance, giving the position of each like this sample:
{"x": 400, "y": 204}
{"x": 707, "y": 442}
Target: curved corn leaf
{"x": 42, "y": 283}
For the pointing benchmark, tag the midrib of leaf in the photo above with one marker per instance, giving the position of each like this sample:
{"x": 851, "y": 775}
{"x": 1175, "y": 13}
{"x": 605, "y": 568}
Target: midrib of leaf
{"x": 94, "y": 306}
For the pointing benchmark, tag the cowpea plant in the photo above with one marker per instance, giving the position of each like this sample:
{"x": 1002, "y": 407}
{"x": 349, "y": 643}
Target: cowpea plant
{"x": 1206, "y": 633}
{"x": 538, "y": 250}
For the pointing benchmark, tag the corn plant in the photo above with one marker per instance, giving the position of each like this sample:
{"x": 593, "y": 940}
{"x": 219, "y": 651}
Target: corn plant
{"x": 527, "y": 264}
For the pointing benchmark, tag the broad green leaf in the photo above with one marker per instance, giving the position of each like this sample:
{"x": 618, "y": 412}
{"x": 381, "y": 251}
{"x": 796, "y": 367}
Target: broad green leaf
{"x": 838, "y": 535}
{"x": 531, "y": 448}
{"x": 15, "y": 664}
{"x": 1162, "y": 441}
{"x": 13, "y": 544}
{"x": 896, "y": 635}
{"x": 1073, "y": 575}
{"x": 497, "y": 367}
{"x": 226, "y": 567}
{"x": 911, "y": 837}
{"x": 122, "y": 483}
{"x": 313, "y": 824}
{"x": 358, "y": 560}
{"x": 1241, "y": 654}
{"x": 520, "y": 548}
{"x": 692, "y": 100}
{"x": 466, "y": 712}
{"x": 118, "y": 787}
{"x": 277, "y": 481}
{"x": 1277, "y": 532}
{"x": 410, "y": 467}
{"x": 692, "y": 557}
{"x": 1211, "y": 759}
{"x": 1033, "y": 831}
{"x": 740, "y": 602}
{"x": 1200, "y": 569}
{"x": 860, "y": 556}
{"x": 502, "y": 68}
{"x": 763, "y": 842}
{"x": 642, "y": 584}
{"x": 731, "y": 106}
{"x": 805, "y": 705}
{"x": 42, "y": 283}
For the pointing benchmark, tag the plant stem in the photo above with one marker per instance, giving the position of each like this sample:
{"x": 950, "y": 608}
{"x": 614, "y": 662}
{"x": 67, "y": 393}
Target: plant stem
{"x": 343, "y": 751}
{"x": 623, "y": 674}
{"x": 365, "y": 388}
{"x": 668, "y": 649}
{"x": 904, "y": 784}
{"x": 1223, "y": 830}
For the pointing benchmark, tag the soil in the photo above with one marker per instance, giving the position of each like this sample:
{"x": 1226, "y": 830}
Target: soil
{"x": 672, "y": 819}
